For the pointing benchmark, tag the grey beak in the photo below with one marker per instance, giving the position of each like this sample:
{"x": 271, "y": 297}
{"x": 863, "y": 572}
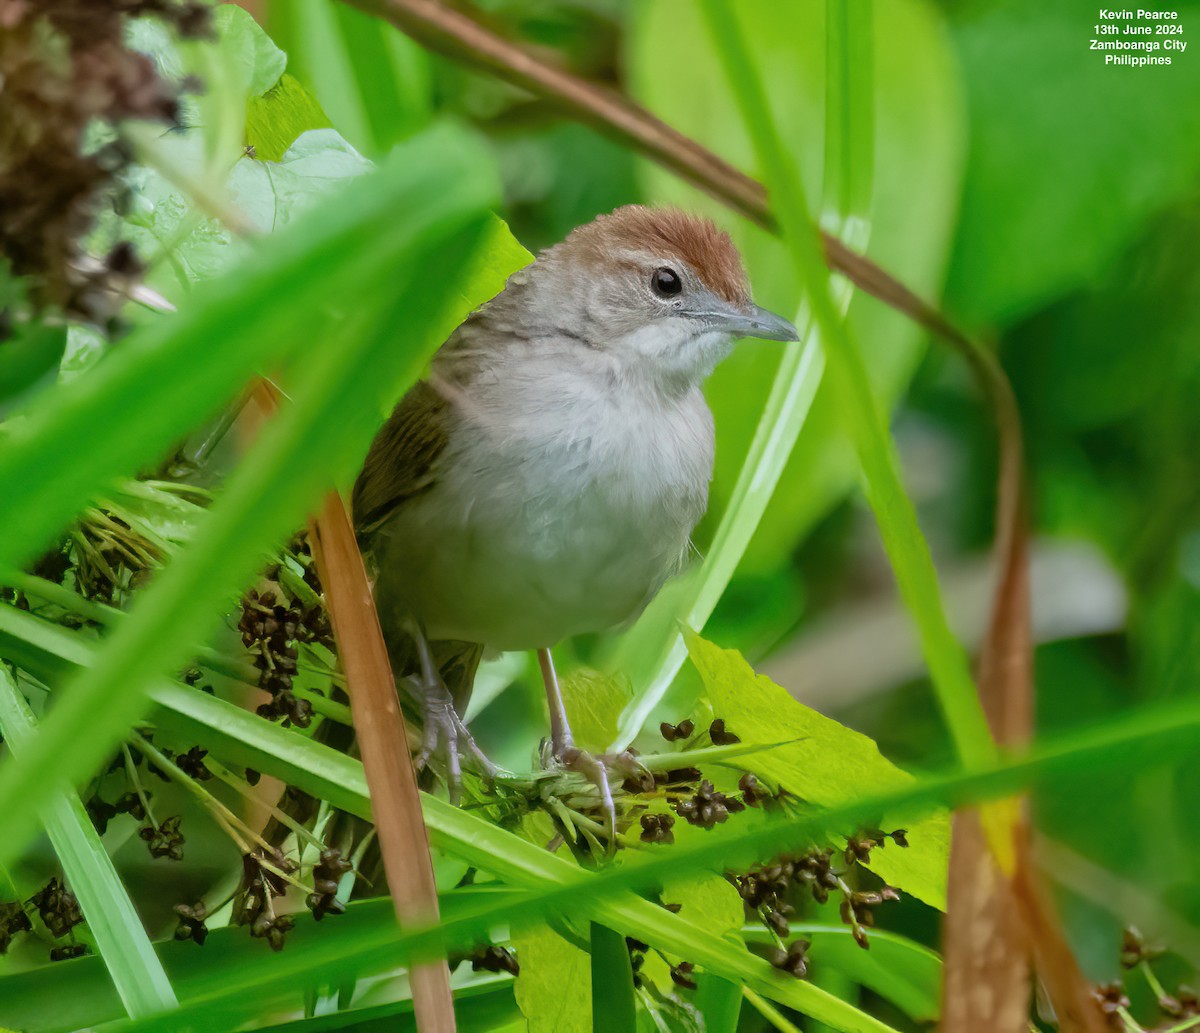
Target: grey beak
{"x": 757, "y": 322}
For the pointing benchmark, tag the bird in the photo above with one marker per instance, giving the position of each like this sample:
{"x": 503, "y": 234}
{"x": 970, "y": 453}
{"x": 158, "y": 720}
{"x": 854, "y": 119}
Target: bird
{"x": 543, "y": 480}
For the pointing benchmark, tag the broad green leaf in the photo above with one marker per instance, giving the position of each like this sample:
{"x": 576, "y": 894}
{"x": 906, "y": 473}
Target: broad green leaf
{"x": 375, "y": 82}
{"x": 594, "y": 702}
{"x": 111, "y": 916}
{"x": 710, "y": 901}
{"x": 820, "y": 761}
{"x": 554, "y": 989}
{"x": 258, "y": 62}
{"x": 279, "y": 116}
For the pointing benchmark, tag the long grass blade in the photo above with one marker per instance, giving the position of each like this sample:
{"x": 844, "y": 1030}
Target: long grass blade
{"x": 125, "y": 948}
{"x": 902, "y": 538}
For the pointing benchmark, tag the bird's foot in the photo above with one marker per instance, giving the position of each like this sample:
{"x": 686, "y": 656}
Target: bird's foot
{"x": 447, "y": 742}
{"x": 600, "y": 770}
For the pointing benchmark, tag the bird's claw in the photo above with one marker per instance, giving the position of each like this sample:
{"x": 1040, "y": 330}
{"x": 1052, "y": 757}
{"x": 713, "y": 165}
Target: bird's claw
{"x": 598, "y": 769}
{"x": 445, "y": 738}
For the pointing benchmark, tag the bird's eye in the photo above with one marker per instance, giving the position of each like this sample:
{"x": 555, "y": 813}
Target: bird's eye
{"x": 666, "y": 282}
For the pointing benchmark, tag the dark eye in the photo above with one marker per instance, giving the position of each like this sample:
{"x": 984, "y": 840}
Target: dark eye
{"x": 666, "y": 282}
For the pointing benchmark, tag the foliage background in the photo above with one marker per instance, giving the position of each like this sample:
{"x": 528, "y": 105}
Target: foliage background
{"x": 1051, "y": 204}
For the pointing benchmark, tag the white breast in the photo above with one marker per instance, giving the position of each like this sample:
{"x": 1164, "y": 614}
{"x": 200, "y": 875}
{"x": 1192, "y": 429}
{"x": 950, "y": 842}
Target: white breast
{"x": 559, "y": 509}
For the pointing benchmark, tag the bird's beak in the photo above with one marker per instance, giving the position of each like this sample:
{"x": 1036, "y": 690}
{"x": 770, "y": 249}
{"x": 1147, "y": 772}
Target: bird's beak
{"x": 755, "y": 322}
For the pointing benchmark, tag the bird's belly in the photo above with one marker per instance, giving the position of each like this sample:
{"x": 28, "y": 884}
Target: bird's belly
{"x": 524, "y": 569}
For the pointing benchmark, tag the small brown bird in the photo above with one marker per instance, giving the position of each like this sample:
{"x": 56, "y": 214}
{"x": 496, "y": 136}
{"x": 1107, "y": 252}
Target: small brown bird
{"x": 544, "y": 480}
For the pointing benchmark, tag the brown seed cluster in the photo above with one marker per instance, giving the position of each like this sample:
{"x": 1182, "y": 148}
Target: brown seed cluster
{"x": 57, "y": 908}
{"x": 326, "y": 876}
{"x": 13, "y": 920}
{"x": 494, "y": 958}
{"x": 272, "y": 631}
{"x": 64, "y": 66}
{"x": 191, "y": 922}
{"x": 771, "y": 892}
{"x": 1177, "y": 1010}
{"x": 261, "y": 885}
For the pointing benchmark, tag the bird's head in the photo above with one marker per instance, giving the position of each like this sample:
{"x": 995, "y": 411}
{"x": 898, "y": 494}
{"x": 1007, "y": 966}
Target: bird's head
{"x": 659, "y": 290}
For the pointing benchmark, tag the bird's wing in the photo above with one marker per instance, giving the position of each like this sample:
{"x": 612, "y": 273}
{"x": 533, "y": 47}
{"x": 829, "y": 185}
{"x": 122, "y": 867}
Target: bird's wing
{"x": 403, "y": 458}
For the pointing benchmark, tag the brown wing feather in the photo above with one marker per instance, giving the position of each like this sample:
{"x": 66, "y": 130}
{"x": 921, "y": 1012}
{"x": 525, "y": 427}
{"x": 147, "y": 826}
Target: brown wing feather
{"x": 402, "y": 459}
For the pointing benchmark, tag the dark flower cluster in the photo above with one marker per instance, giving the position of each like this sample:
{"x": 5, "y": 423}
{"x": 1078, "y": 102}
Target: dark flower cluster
{"x": 165, "y": 839}
{"x": 707, "y": 806}
{"x": 57, "y": 908}
{"x": 493, "y": 958}
{"x": 273, "y": 631}
{"x": 326, "y": 876}
{"x": 261, "y": 885}
{"x": 1113, "y": 998}
{"x": 770, "y": 892}
{"x": 65, "y": 66}
{"x": 191, "y": 922}
{"x": 13, "y": 920}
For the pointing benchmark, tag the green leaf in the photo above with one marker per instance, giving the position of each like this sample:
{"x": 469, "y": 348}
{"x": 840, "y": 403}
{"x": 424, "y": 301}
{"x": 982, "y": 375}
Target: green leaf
{"x": 279, "y": 116}
{"x": 821, "y": 761}
{"x": 255, "y": 58}
{"x": 375, "y": 82}
{"x": 111, "y": 916}
{"x": 554, "y": 989}
{"x": 614, "y": 1003}
{"x": 594, "y": 702}
{"x": 710, "y": 901}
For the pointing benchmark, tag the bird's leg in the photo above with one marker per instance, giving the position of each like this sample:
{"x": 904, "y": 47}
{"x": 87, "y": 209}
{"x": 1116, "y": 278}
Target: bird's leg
{"x": 570, "y": 756}
{"x": 443, "y": 730}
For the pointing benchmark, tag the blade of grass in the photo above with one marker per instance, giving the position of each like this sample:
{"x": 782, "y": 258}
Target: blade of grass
{"x": 112, "y": 919}
{"x": 316, "y": 440}
{"x": 1146, "y": 736}
{"x": 849, "y": 163}
{"x": 614, "y": 1006}
{"x": 902, "y": 538}
{"x": 64, "y": 997}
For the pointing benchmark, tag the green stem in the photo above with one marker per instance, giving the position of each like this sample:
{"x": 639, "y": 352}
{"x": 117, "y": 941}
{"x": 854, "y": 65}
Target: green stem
{"x": 894, "y": 512}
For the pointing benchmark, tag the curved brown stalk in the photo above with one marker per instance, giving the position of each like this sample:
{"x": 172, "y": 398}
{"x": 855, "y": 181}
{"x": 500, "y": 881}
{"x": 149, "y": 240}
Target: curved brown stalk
{"x": 383, "y": 742}
{"x": 1005, "y": 662}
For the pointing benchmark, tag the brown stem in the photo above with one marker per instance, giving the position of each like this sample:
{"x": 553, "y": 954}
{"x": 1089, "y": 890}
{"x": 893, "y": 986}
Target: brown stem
{"x": 383, "y": 742}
